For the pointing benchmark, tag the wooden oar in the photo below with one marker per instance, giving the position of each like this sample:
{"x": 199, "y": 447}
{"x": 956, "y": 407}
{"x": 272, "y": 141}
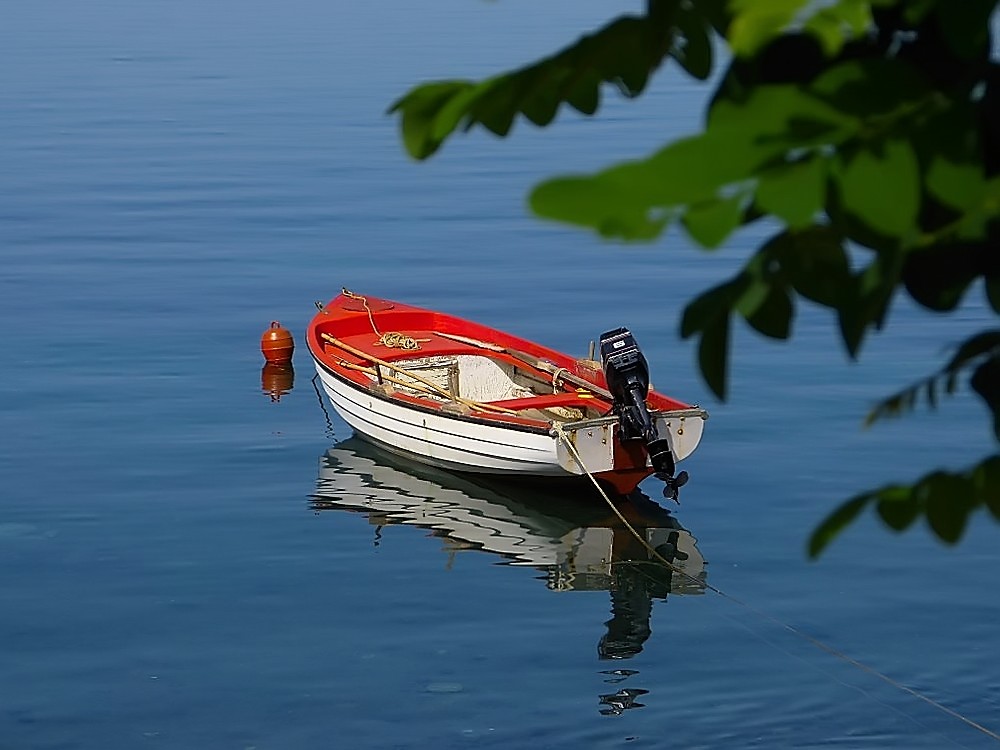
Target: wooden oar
{"x": 428, "y": 384}
{"x": 538, "y": 364}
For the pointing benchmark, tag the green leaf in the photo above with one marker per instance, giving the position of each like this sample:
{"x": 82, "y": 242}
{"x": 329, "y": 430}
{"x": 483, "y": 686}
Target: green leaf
{"x": 881, "y": 187}
{"x": 580, "y": 200}
{"x": 773, "y": 315}
{"x": 755, "y": 24}
{"x": 600, "y": 204}
{"x": 695, "y": 169}
{"x": 993, "y": 293}
{"x": 986, "y": 479}
{"x": 500, "y": 98}
{"x": 852, "y": 329}
{"x": 584, "y": 95}
{"x": 836, "y": 522}
{"x": 937, "y": 277}
{"x": 836, "y": 24}
{"x": 931, "y": 393}
{"x": 960, "y": 186}
{"x": 984, "y": 342}
{"x": 917, "y": 10}
{"x": 426, "y": 110}
{"x": 991, "y": 191}
{"x": 857, "y": 14}
{"x": 695, "y": 54}
{"x": 897, "y": 507}
{"x": 717, "y": 302}
{"x": 713, "y": 355}
{"x": 873, "y": 87}
{"x": 815, "y": 263}
{"x": 708, "y": 173}
{"x": 946, "y": 498}
{"x": 629, "y": 195}
{"x": 711, "y": 222}
{"x": 985, "y": 381}
{"x": 966, "y": 26}
{"x": 622, "y": 53}
{"x": 828, "y": 28}
{"x": 866, "y": 300}
{"x": 777, "y": 118}
{"x": 716, "y": 13}
{"x": 756, "y": 289}
{"x": 793, "y": 192}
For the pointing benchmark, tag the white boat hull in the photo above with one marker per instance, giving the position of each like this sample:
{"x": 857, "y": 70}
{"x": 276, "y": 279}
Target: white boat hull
{"x": 442, "y": 440}
{"x": 462, "y": 444}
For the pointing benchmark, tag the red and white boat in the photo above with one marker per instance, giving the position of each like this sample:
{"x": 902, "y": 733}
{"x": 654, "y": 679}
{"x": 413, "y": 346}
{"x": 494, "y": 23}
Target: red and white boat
{"x": 465, "y": 397}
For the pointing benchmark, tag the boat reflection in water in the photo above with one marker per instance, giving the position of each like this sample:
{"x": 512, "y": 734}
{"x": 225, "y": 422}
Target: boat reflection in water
{"x": 573, "y": 537}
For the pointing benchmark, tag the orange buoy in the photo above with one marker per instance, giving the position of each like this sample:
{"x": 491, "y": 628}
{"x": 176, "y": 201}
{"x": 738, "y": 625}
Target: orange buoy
{"x": 277, "y": 343}
{"x": 277, "y": 379}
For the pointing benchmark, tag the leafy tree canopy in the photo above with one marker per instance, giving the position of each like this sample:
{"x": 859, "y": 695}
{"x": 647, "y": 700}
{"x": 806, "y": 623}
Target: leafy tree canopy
{"x": 864, "y": 125}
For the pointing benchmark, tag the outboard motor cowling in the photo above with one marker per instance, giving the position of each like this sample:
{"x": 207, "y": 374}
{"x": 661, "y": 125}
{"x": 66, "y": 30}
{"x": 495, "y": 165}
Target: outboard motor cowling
{"x": 627, "y": 374}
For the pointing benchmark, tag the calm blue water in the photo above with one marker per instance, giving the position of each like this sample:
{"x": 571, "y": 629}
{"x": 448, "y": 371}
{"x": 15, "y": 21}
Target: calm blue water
{"x": 178, "y": 564}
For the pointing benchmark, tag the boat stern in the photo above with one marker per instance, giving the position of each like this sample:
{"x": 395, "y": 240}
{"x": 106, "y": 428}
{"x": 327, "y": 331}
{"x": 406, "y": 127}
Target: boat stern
{"x": 595, "y": 446}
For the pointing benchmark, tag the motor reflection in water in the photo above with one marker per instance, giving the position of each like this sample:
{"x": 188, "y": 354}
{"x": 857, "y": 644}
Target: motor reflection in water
{"x": 573, "y": 537}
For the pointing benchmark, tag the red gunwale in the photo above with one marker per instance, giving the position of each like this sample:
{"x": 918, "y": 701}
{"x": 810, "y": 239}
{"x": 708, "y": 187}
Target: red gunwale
{"x": 346, "y": 318}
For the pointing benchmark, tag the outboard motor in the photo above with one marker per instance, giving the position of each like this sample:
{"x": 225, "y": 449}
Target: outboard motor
{"x": 627, "y": 373}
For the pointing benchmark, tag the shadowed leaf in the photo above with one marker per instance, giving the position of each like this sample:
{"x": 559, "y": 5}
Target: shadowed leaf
{"x": 945, "y": 497}
{"x": 695, "y": 53}
{"x": 986, "y": 382}
{"x": 873, "y": 87}
{"x": 897, "y": 507}
{"x": 815, "y": 264}
{"x": 938, "y": 277}
{"x": 711, "y": 305}
{"x": 985, "y": 342}
{"x": 993, "y": 293}
{"x": 986, "y": 479}
{"x": 866, "y": 299}
{"x": 713, "y": 354}
{"x": 773, "y": 316}
{"x": 833, "y": 524}
{"x": 966, "y": 26}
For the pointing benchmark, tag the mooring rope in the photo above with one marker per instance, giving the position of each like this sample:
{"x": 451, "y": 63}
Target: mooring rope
{"x": 391, "y": 340}
{"x": 396, "y": 340}
{"x": 558, "y": 433}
